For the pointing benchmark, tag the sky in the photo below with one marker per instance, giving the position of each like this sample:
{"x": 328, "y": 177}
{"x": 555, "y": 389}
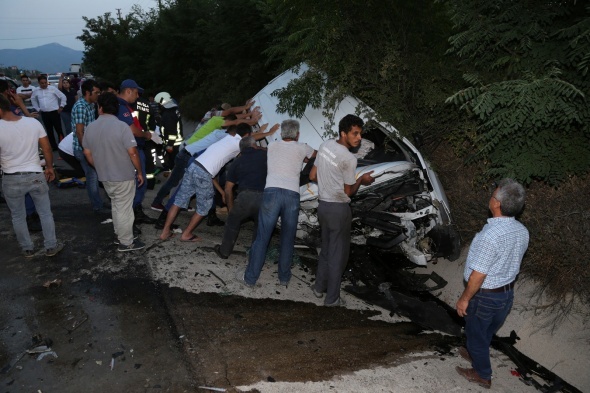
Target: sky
{"x": 32, "y": 23}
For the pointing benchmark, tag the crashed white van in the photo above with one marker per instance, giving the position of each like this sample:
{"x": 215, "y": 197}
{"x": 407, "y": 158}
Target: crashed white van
{"x": 404, "y": 209}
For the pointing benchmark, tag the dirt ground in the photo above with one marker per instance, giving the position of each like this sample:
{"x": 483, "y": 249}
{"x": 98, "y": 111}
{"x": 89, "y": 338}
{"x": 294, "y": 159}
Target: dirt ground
{"x": 170, "y": 319}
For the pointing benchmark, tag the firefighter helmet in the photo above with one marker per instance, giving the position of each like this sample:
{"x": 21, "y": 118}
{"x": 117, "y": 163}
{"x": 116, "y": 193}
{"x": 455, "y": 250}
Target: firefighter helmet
{"x": 165, "y": 99}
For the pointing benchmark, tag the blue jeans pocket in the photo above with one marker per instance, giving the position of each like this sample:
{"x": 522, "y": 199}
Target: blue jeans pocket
{"x": 488, "y": 308}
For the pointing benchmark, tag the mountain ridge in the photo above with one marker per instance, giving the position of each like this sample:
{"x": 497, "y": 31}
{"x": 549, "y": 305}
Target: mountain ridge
{"x": 49, "y": 58}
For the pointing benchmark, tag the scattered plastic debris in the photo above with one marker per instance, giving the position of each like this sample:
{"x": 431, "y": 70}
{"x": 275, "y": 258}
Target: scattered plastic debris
{"x": 217, "y": 277}
{"x": 99, "y": 362}
{"x": 213, "y": 389}
{"x": 41, "y": 356}
{"x": 53, "y": 283}
{"x": 107, "y": 221}
{"x": 177, "y": 230}
{"x": 112, "y": 363}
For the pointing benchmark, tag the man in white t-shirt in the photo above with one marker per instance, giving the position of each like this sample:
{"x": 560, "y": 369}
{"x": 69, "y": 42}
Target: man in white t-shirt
{"x": 199, "y": 180}
{"x": 279, "y": 199}
{"x": 25, "y": 91}
{"x": 20, "y": 138}
{"x": 334, "y": 170}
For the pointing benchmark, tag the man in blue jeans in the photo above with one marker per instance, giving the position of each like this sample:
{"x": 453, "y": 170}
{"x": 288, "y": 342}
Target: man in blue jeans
{"x": 279, "y": 199}
{"x": 20, "y": 138}
{"x": 82, "y": 115}
{"x": 492, "y": 265}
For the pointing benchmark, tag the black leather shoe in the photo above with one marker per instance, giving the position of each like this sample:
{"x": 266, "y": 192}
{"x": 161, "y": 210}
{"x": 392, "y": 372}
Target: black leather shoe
{"x": 141, "y": 217}
{"x": 213, "y": 220}
{"x": 217, "y": 249}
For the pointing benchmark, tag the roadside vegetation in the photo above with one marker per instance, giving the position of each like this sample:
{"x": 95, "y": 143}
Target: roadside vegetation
{"x": 491, "y": 89}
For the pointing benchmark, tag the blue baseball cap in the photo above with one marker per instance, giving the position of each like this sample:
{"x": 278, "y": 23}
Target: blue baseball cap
{"x": 130, "y": 84}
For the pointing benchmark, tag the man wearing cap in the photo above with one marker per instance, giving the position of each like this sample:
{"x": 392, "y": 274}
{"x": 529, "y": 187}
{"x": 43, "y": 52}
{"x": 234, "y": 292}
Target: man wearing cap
{"x": 128, "y": 94}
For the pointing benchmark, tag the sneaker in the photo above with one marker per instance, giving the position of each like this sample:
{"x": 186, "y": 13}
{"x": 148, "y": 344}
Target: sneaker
{"x": 472, "y": 376}
{"x": 339, "y": 302}
{"x": 284, "y": 283}
{"x": 239, "y": 277}
{"x": 116, "y": 240}
{"x": 157, "y": 207}
{"x": 317, "y": 294}
{"x": 136, "y": 245}
{"x": 217, "y": 249}
{"x": 141, "y": 217}
{"x": 49, "y": 252}
{"x": 28, "y": 253}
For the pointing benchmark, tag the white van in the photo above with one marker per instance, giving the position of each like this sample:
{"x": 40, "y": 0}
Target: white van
{"x": 404, "y": 209}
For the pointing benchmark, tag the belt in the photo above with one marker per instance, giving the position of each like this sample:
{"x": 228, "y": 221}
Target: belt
{"x": 21, "y": 173}
{"x": 505, "y": 288}
{"x": 202, "y": 167}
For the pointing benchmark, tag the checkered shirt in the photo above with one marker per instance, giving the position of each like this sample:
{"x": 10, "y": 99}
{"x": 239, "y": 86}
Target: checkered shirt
{"x": 82, "y": 113}
{"x": 497, "y": 251}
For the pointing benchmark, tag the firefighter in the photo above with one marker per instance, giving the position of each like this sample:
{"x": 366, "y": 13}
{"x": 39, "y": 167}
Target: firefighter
{"x": 170, "y": 126}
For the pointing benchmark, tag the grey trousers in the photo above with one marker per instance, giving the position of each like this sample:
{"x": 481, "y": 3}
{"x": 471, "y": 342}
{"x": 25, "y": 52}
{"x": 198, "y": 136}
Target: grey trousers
{"x": 246, "y": 207}
{"x": 335, "y": 222}
{"x": 122, "y": 194}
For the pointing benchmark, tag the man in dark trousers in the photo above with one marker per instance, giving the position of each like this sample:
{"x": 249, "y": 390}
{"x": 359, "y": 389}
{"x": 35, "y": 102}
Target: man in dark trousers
{"x": 492, "y": 265}
{"x": 128, "y": 94}
{"x": 335, "y": 170}
{"x": 248, "y": 173}
{"x": 50, "y": 102}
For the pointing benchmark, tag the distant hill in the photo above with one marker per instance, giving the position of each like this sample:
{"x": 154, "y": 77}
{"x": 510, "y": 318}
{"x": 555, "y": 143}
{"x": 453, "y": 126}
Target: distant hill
{"x": 48, "y": 58}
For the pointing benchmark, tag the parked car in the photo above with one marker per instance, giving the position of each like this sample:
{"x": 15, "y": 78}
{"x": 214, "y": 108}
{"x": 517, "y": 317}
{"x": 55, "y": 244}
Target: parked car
{"x": 53, "y": 79}
{"x": 404, "y": 209}
{"x": 11, "y": 83}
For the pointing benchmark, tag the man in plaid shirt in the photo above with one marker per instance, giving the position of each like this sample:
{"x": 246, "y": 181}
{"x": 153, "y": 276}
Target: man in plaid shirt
{"x": 83, "y": 113}
{"x": 491, "y": 268}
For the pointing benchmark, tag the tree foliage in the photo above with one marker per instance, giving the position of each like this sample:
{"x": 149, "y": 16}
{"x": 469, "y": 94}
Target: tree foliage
{"x": 387, "y": 53}
{"x": 202, "y": 50}
{"x": 528, "y": 86}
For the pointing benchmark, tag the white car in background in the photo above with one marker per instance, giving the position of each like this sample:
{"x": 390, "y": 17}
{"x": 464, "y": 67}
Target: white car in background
{"x": 53, "y": 79}
{"x": 404, "y": 209}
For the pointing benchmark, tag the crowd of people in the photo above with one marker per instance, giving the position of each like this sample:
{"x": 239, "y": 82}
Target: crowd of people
{"x": 221, "y": 162}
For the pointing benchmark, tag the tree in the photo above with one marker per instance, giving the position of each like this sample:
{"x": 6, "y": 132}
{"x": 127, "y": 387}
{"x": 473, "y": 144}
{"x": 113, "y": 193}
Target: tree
{"x": 387, "y": 53}
{"x": 527, "y": 86}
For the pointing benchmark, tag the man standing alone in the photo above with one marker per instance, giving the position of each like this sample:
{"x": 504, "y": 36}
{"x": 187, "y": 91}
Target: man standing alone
{"x": 111, "y": 148}
{"x": 20, "y": 138}
{"x": 490, "y": 271}
{"x": 50, "y": 102}
{"x": 334, "y": 170}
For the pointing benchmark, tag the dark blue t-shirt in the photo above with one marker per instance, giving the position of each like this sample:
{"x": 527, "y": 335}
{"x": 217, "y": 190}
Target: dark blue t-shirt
{"x": 248, "y": 171}
{"x": 126, "y": 115}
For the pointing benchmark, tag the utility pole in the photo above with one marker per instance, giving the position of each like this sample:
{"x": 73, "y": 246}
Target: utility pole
{"x": 118, "y": 13}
